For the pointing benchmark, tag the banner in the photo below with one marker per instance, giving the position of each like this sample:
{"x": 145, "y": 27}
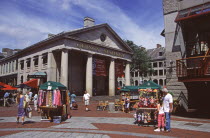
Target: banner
{"x": 119, "y": 69}
{"x": 99, "y": 67}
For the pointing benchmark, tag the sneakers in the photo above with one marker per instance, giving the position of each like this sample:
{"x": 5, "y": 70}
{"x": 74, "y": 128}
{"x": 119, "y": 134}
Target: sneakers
{"x": 168, "y": 130}
{"x": 162, "y": 129}
{"x": 157, "y": 130}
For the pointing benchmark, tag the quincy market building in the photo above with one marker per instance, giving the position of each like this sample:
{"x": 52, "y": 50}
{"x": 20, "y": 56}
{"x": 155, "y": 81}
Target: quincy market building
{"x": 90, "y": 58}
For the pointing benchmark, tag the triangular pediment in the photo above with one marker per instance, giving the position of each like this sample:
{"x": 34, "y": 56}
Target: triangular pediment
{"x": 102, "y": 35}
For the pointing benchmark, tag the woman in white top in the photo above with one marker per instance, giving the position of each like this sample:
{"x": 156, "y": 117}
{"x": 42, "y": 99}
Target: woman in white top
{"x": 161, "y": 116}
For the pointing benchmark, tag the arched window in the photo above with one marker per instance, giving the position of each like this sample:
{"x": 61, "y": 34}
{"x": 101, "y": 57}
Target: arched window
{"x": 21, "y": 79}
{"x": 161, "y": 82}
{"x": 155, "y": 81}
{"x": 136, "y": 83}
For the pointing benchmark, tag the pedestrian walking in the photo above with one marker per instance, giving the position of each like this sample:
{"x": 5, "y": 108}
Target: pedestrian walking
{"x": 30, "y": 95}
{"x": 21, "y": 101}
{"x": 161, "y": 117}
{"x": 86, "y": 99}
{"x": 73, "y": 101}
{"x": 35, "y": 99}
{"x": 167, "y": 107}
{"x": 6, "y": 97}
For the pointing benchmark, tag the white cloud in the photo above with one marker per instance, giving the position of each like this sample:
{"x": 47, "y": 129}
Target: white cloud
{"x": 126, "y": 27}
{"x": 26, "y": 29}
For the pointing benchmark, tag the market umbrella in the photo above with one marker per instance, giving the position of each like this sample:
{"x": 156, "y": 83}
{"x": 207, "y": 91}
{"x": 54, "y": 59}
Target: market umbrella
{"x": 33, "y": 83}
{"x": 2, "y": 87}
{"x": 23, "y": 86}
{"x": 7, "y": 87}
{"x": 51, "y": 85}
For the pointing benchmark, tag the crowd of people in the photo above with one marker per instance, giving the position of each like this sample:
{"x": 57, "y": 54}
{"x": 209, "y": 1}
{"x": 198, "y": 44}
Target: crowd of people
{"x": 24, "y": 109}
{"x": 164, "y": 106}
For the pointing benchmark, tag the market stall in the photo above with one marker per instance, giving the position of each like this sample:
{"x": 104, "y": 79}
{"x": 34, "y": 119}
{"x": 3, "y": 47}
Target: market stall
{"x": 131, "y": 92}
{"x": 146, "y": 109}
{"x": 53, "y": 100}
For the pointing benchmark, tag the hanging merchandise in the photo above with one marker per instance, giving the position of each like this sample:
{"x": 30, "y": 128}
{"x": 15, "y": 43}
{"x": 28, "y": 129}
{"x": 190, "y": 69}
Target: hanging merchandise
{"x": 119, "y": 69}
{"x": 99, "y": 67}
{"x": 53, "y": 102}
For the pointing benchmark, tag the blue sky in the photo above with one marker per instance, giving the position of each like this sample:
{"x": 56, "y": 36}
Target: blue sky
{"x": 25, "y": 22}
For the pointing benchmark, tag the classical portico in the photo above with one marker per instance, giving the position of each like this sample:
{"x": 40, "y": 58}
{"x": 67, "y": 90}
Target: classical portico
{"x": 71, "y": 58}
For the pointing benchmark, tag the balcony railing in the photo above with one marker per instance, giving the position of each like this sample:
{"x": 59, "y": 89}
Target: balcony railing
{"x": 193, "y": 67}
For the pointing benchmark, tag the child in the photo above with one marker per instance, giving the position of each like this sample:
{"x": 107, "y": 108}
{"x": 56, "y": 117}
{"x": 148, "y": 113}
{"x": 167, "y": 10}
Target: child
{"x": 161, "y": 117}
{"x": 127, "y": 103}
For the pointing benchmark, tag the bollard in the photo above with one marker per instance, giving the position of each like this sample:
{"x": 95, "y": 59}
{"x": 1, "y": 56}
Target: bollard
{"x": 111, "y": 107}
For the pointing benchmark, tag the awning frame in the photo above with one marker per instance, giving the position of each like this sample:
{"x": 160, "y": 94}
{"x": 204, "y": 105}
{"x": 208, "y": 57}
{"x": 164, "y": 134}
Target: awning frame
{"x": 195, "y": 11}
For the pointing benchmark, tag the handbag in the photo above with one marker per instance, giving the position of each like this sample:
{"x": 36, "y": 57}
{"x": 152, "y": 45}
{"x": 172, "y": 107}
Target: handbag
{"x": 24, "y": 104}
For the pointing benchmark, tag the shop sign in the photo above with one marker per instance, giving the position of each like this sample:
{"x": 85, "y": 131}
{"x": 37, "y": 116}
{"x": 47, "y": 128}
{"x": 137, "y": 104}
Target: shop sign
{"x": 100, "y": 50}
{"x": 37, "y": 76}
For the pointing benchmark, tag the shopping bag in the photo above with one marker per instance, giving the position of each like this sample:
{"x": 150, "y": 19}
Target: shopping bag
{"x": 24, "y": 104}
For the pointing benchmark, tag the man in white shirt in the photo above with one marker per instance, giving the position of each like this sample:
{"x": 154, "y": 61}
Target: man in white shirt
{"x": 167, "y": 107}
{"x": 86, "y": 99}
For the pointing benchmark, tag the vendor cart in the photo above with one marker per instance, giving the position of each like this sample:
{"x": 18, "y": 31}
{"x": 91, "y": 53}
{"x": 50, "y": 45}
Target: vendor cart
{"x": 146, "y": 111}
{"x": 133, "y": 94}
{"x": 53, "y": 101}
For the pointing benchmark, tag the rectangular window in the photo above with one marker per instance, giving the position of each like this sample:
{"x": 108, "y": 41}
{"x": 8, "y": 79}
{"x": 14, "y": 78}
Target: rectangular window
{"x": 136, "y": 74}
{"x": 36, "y": 61}
{"x": 160, "y": 72}
{"x": 155, "y": 73}
{"x": 28, "y": 63}
{"x": 155, "y": 65}
{"x": 160, "y": 64}
{"x": 132, "y": 74}
{"x": 44, "y": 58}
{"x": 22, "y": 65}
{"x": 160, "y": 53}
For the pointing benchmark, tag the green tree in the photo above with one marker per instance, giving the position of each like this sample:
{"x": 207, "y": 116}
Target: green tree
{"x": 140, "y": 59}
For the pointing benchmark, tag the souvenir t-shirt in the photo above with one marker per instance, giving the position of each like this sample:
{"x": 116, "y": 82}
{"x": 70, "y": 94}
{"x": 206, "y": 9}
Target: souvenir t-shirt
{"x": 167, "y": 99}
{"x": 87, "y": 96}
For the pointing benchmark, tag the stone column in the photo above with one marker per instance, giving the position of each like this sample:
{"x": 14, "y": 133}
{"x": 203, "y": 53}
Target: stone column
{"x": 40, "y": 63}
{"x": 32, "y": 65}
{"x": 49, "y": 66}
{"x": 64, "y": 67}
{"x": 112, "y": 78}
{"x": 4, "y": 69}
{"x": 24, "y": 71}
{"x": 127, "y": 74}
{"x": 18, "y": 75}
{"x": 89, "y": 74}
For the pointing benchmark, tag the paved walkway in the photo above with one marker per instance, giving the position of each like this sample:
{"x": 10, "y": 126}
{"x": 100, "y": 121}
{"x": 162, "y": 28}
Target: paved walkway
{"x": 84, "y": 127}
{"x": 87, "y": 123}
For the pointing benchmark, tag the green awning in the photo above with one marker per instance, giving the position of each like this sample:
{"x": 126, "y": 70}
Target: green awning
{"x": 150, "y": 84}
{"x": 130, "y": 89}
{"x": 124, "y": 90}
{"x": 38, "y": 75}
{"x": 51, "y": 85}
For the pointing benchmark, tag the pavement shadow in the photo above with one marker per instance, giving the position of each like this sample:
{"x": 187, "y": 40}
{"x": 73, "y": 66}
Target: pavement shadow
{"x": 203, "y": 114}
{"x": 29, "y": 122}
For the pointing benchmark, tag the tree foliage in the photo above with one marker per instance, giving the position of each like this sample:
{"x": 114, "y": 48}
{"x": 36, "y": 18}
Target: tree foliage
{"x": 140, "y": 59}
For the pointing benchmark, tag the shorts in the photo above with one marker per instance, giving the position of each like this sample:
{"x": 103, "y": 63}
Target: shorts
{"x": 87, "y": 102}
